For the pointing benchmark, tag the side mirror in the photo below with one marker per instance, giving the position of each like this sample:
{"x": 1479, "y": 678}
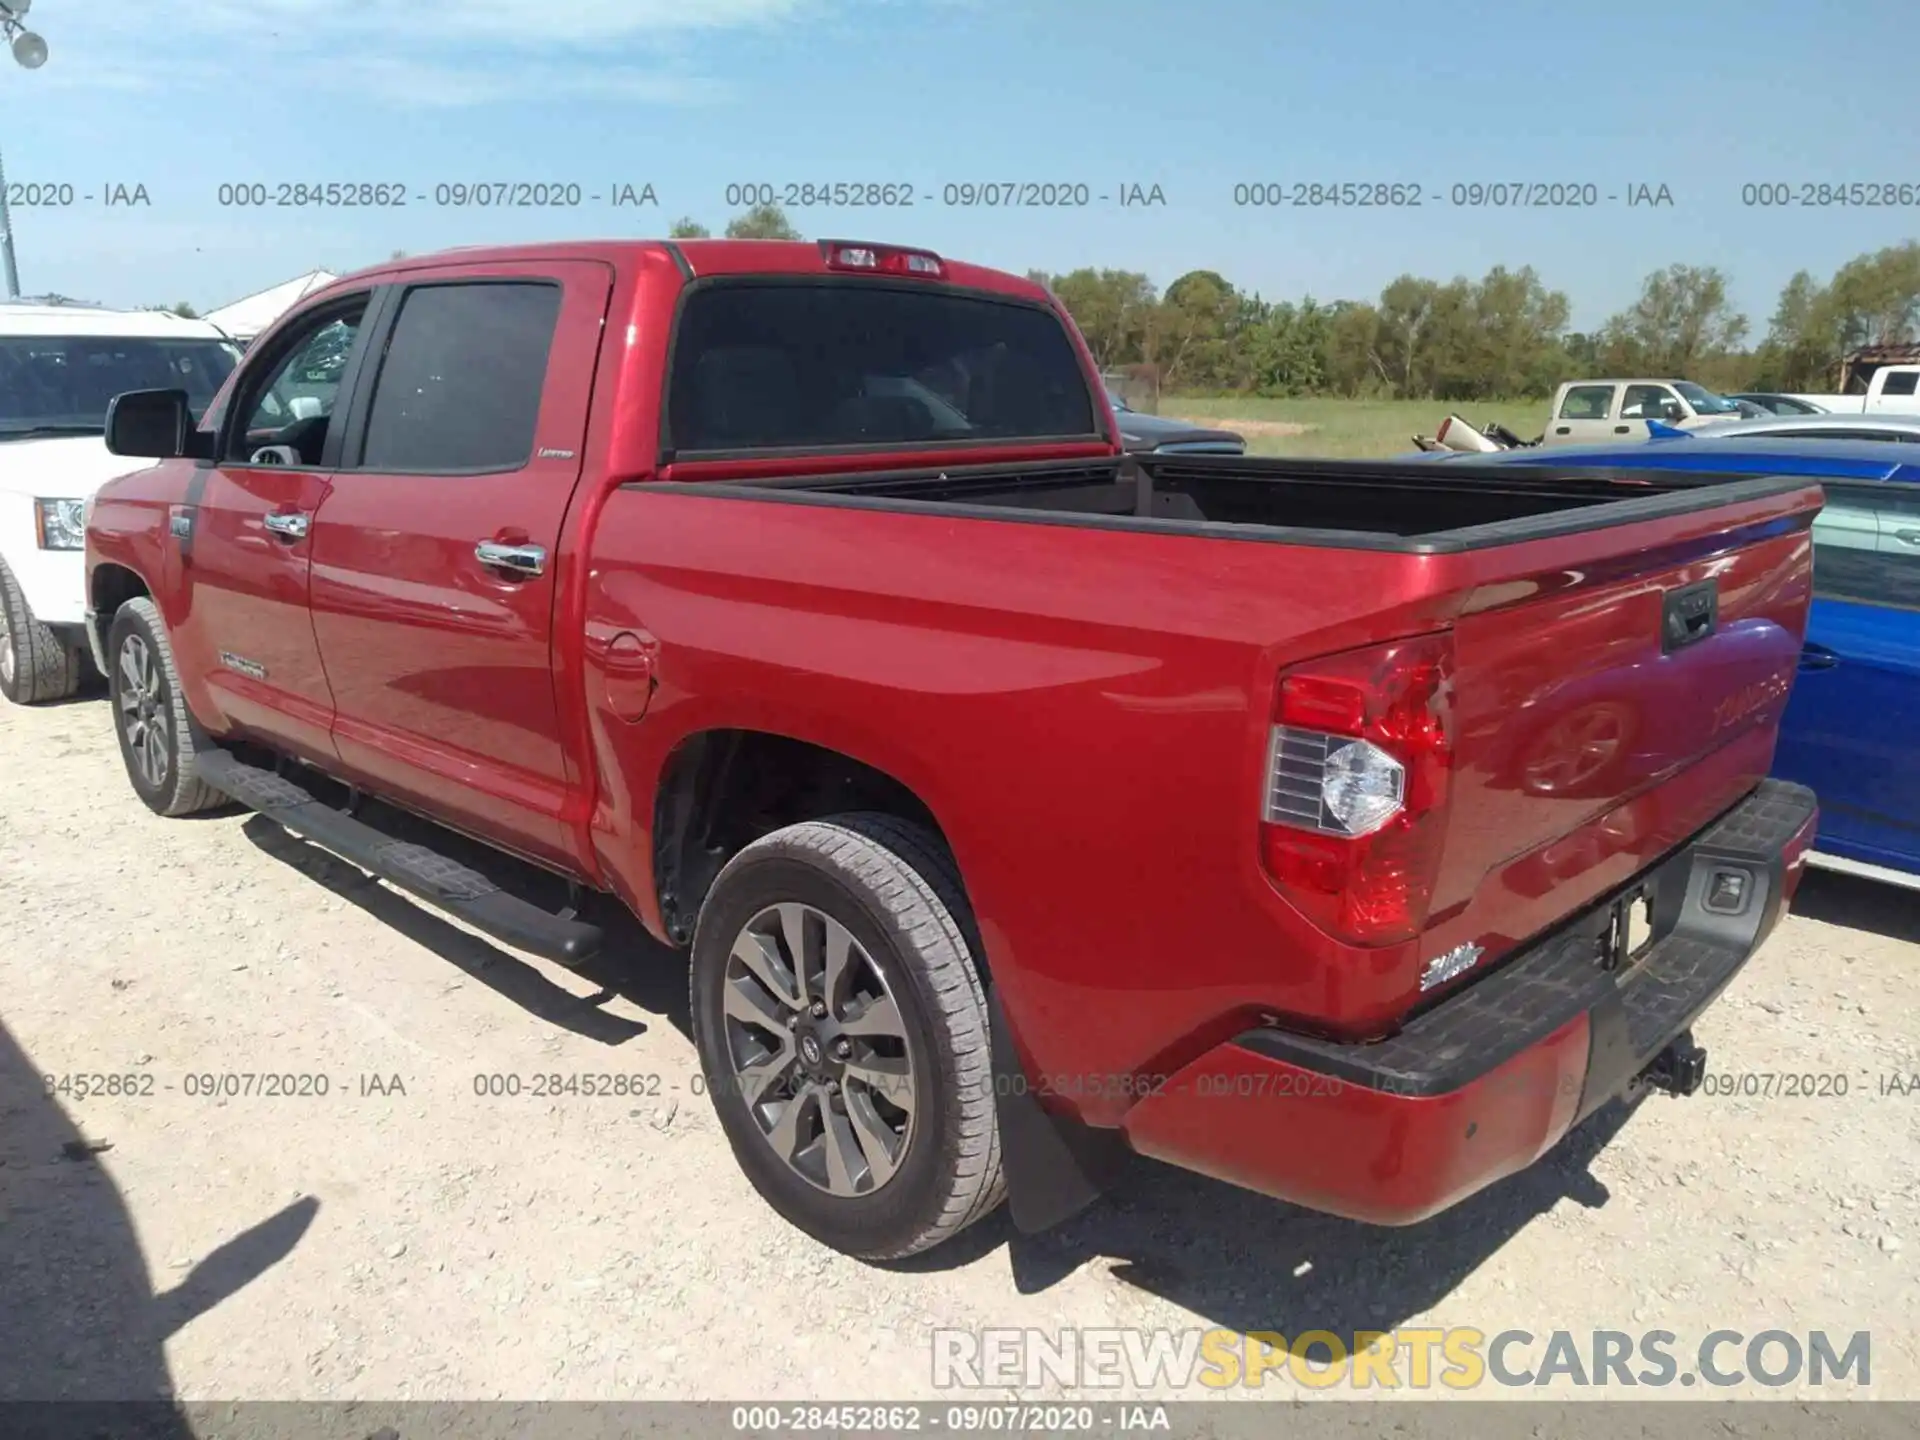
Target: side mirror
{"x": 305, "y": 407}
{"x": 151, "y": 424}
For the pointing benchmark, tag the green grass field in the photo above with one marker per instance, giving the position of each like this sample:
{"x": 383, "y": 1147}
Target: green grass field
{"x": 1349, "y": 429}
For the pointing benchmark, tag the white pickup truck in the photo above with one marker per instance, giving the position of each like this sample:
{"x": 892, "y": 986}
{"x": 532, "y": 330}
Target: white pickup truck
{"x": 60, "y": 365}
{"x": 1891, "y": 389}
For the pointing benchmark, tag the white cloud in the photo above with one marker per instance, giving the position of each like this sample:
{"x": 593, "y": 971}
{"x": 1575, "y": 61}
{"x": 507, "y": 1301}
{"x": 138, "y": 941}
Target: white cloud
{"x": 409, "y": 53}
{"x": 523, "y": 22}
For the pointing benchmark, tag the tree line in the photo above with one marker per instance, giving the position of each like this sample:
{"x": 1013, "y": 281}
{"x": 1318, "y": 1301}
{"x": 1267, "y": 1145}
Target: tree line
{"x": 1504, "y": 335}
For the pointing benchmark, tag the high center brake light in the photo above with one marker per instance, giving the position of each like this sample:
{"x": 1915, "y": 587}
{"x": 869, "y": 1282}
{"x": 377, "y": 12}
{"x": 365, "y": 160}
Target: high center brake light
{"x": 882, "y": 259}
{"x": 1359, "y": 770}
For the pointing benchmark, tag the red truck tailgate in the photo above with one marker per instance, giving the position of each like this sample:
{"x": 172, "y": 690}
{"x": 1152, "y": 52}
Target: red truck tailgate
{"x": 1607, "y": 705}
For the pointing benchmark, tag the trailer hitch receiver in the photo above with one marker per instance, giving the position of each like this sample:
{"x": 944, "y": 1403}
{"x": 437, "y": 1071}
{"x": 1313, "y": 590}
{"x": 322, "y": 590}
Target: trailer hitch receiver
{"x": 1677, "y": 1070}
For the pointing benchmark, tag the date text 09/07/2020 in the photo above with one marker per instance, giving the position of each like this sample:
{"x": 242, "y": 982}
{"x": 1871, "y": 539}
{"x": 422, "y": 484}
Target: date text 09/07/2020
{"x": 1466, "y": 195}
{"x": 787, "y": 195}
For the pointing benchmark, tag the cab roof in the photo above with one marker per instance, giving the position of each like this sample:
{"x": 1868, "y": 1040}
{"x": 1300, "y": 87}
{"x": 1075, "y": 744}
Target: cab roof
{"x": 704, "y": 259}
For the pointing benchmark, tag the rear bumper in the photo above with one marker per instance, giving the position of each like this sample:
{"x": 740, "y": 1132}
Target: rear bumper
{"x": 1492, "y": 1077}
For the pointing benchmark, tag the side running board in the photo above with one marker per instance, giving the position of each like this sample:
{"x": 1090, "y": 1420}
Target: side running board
{"x": 441, "y": 882}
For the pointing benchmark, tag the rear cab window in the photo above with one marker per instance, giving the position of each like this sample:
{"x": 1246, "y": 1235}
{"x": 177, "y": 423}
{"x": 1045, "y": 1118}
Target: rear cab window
{"x": 813, "y": 364}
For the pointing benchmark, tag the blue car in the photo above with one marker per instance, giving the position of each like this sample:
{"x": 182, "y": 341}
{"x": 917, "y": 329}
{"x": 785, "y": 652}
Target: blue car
{"x": 1852, "y": 727}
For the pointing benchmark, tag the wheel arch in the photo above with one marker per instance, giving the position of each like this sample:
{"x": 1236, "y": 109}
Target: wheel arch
{"x": 110, "y": 586}
{"x": 722, "y": 788}
{"x": 704, "y": 815}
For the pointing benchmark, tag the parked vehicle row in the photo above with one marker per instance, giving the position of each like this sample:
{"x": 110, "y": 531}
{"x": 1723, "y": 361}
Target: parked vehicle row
{"x": 1588, "y": 410}
{"x": 1585, "y": 411}
{"x": 1885, "y": 388}
{"x": 60, "y": 366}
{"x": 806, "y": 600}
{"x": 1456, "y": 436}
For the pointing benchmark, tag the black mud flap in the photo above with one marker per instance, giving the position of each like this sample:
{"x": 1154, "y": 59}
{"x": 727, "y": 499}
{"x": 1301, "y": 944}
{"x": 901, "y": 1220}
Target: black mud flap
{"x": 1055, "y": 1167}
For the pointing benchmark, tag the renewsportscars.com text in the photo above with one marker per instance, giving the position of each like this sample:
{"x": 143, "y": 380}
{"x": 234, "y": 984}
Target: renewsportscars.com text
{"x": 1459, "y": 1358}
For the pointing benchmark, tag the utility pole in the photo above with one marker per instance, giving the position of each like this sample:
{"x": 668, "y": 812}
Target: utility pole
{"x": 6, "y": 238}
{"x": 30, "y": 51}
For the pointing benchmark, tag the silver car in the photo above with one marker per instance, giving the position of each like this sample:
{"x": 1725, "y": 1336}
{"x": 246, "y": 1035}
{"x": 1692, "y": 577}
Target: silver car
{"x": 1817, "y": 427}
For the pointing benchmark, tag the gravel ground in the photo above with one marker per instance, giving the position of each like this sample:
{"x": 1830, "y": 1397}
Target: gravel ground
{"x": 404, "y": 1237}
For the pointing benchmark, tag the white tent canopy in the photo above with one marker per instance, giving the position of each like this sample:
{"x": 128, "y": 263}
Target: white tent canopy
{"x": 248, "y": 316}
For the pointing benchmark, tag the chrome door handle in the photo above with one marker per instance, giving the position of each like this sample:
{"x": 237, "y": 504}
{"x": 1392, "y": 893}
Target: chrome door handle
{"x": 1910, "y": 537}
{"x": 520, "y": 559}
{"x": 294, "y": 527}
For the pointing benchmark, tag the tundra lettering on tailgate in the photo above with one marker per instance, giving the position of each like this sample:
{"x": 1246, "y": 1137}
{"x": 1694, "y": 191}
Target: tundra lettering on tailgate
{"x": 1749, "y": 699}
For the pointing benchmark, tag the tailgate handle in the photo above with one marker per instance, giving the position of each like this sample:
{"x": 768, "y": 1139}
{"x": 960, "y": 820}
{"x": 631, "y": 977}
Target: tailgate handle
{"x": 1688, "y": 615}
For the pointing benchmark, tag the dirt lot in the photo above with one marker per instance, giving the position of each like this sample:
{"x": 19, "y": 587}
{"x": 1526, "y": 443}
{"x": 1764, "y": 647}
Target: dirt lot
{"x": 1284, "y": 429}
{"x": 402, "y": 1236}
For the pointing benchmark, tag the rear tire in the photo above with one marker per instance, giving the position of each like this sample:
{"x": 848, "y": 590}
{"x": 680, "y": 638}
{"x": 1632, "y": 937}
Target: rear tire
{"x": 157, "y": 735}
{"x": 36, "y": 665}
{"x": 894, "y": 1147}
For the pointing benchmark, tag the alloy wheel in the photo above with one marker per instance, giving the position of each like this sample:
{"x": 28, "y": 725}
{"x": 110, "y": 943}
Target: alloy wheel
{"x": 819, "y": 1050}
{"x": 144, "y": 711}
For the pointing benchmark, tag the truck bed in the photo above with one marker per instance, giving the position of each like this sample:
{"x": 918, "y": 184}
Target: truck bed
{"x": 1352, "y": 504}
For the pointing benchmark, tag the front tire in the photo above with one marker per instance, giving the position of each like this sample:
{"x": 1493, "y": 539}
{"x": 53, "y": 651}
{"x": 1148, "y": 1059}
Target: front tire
{"x": 842, "y": 1030}
{"x": 36, "y": 665}
{"x": 150, "y": 714}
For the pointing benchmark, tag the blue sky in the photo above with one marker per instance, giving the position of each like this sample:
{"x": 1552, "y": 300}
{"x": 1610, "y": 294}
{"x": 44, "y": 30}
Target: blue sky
{"x": 1191, "y": 95}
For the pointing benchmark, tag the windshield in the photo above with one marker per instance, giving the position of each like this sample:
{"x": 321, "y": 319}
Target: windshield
{"x": 63, "y": 383}
{"x": 805, "y": 364}
{"x": 1705, "y": 402}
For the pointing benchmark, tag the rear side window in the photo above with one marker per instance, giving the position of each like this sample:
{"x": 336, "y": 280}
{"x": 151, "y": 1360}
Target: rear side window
{"x": 1587, "y": 402}
{"x": 460, "y": 383}
{"x": 1866, "y": 546}
{"x": 826, "y": 366}
{"x": 1646, "y": 402}
{"x": 1900, "y": 382}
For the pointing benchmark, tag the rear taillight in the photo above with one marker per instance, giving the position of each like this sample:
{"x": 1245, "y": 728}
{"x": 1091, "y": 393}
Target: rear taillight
{"x": 882, "y": 259}
{"x": 1358, "y": 773}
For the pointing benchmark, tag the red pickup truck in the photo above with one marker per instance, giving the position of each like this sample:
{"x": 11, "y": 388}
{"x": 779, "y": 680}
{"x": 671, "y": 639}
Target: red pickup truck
{"x": 1345, "y": 830}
